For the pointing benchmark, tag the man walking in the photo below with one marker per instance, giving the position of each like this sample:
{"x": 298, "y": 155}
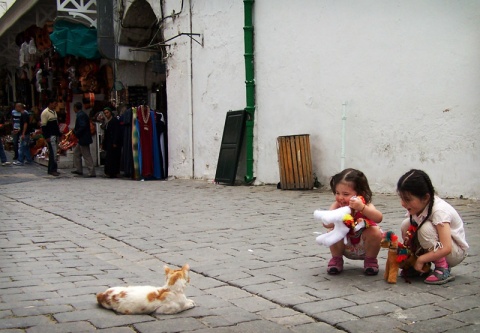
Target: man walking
{"x": 3, "y": 156}
{"x": 16, "y": 114}
{"x": 24, "y": 133}
{"x": 82, "y": 132}
{"x": 51, "y": 133}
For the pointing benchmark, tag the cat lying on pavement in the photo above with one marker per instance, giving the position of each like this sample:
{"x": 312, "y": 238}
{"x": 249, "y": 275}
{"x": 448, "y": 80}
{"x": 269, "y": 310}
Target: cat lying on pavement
{"x": 168, "y": 299}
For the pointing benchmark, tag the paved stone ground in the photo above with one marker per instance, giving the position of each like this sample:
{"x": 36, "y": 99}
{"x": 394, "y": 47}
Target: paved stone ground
{"x": 255, "y": 264}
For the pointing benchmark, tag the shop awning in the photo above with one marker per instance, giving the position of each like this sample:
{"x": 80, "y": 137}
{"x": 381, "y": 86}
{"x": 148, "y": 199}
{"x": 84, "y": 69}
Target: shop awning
{"x": 75, "y": 39}
{"x": 14, "y": 13}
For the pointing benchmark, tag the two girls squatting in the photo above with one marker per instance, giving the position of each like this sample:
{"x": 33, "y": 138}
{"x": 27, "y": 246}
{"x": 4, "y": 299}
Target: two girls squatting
{"x": 433, "y": 229}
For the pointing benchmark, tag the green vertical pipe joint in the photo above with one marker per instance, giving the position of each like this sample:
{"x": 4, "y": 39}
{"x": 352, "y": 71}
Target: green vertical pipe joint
{"x": 249, "y": 85}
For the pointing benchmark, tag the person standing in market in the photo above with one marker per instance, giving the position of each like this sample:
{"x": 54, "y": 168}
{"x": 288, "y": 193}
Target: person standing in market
{"x": 111, "y": 143}
{"x": 3, "y": 156}
{"x": 51, "y": 133}
{"x": 16, "y": 114}
{"x": 84, "y": 136}
{"x": 24, "y": 135}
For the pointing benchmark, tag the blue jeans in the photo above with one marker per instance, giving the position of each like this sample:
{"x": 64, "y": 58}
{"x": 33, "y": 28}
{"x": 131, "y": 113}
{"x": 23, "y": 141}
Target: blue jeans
{"x": 3, "y": 157}
{"x": 52, "y": 155}
{"x": 15, "y": 138}
{"x": 24, "y": 150}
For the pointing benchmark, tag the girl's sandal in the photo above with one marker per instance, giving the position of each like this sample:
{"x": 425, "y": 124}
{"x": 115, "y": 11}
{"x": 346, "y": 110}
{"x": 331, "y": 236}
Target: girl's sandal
{"x": 439, "y": 275}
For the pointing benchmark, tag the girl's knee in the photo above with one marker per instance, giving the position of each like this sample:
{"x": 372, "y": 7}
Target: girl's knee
{"x": 372, "y": 234}
{"x": 372, "y": 237}
{"x": 428, "y": 236}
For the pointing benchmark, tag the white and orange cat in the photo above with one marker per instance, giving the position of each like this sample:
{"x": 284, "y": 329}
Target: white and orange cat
{"x": 168, "y": 299}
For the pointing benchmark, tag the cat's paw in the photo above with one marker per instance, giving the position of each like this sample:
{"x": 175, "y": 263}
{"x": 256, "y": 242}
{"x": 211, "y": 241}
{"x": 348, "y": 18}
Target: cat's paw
{"x": 189, "y": 304}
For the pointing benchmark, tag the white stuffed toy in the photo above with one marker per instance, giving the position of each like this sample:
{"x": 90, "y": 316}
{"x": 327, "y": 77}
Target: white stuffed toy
{"x": 338, "y": 218}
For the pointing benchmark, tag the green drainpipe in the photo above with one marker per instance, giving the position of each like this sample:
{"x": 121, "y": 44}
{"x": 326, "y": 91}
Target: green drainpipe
{"x": 250, "y": 86}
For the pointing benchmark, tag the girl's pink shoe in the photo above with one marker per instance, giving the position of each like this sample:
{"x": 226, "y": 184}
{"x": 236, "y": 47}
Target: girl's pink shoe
{"x": 370, "y": 266}
{"x": 335, "y": 266}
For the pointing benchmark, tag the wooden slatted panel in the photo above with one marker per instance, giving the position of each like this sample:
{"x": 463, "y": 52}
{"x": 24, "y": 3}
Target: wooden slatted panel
{"x": 307, "y": 162}
{"x": 295, "y": 162}
{"x": 281, "y": 162}
{"x": 230, "y": 148}
{"x": 293, "y": 152}
{"x": 300, "y": 161}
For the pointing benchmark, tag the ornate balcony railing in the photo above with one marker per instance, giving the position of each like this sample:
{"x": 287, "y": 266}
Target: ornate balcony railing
{"x": 79, "y": 9}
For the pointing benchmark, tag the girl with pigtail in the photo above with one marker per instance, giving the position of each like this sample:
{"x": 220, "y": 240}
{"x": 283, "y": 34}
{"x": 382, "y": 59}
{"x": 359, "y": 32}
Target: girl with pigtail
{"x": 433, "y": 230}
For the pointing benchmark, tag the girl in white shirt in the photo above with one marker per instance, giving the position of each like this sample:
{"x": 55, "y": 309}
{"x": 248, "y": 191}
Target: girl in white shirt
{"x": 434, "y": 230}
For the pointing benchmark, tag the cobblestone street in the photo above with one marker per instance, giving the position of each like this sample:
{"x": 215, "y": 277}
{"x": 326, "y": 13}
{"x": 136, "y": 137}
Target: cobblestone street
{"x": 255, "y": 266}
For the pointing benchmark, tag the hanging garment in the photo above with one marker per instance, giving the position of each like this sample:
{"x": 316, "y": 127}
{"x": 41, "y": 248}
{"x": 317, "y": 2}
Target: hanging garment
{"x": 135, "y": 145}
{"x": 157, "y": 167}
{"x": 145, "y": 129}
{"x": 112, "y": 142}
{"x": 161, "y": 133}
{"x": 149, "y": 154}
{"x": 127, "y": 153}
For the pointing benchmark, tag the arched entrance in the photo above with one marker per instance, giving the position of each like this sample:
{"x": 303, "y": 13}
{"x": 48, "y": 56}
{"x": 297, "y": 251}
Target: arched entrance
{"x": 139, "y": 29}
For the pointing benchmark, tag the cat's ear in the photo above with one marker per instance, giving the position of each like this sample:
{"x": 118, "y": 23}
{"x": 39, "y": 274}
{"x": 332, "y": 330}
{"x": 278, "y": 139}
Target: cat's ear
{"x": 186, "y": 267}
{"x": 167, "y": 270}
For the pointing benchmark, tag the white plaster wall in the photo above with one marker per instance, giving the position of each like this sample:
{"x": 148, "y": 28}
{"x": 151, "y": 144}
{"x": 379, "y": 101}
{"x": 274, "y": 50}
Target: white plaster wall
{"x": 408, "y": 70}
{"x": 219, "y": 77}
{"x": 218, "y": 83}
{"x": 178, "y": 92}
{"x": 399, "y": 65}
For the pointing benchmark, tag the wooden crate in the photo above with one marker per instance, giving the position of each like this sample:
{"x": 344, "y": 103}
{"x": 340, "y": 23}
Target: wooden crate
{"x": 295, "y": 162}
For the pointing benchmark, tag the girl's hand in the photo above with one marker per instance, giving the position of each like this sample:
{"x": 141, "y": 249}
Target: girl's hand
{"x": 356, "y": 203}
{"x": 419, "y": 264}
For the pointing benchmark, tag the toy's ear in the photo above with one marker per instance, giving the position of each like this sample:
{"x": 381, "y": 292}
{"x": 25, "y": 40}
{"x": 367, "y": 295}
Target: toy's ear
{"x": 186, "y": 267}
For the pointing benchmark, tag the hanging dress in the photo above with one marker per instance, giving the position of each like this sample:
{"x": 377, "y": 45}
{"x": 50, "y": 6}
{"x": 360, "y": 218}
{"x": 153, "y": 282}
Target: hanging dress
{"x": 135, "y": 145}
{"x": 145, "y": 128}
{"x": 127, "y": 153}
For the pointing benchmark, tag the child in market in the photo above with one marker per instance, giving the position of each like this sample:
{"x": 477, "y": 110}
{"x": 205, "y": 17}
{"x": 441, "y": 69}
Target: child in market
{"x": 348, "y": 186}
{"x": 434, "y": 229}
